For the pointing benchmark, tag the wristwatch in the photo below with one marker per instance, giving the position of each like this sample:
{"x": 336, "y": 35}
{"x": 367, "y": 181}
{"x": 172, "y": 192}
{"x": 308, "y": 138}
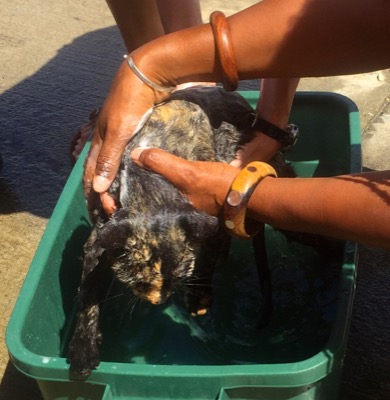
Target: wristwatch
{"x": 287, "y": 137}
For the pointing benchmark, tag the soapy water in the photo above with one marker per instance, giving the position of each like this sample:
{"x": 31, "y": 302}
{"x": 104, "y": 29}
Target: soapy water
{"x": 305, "y": 288}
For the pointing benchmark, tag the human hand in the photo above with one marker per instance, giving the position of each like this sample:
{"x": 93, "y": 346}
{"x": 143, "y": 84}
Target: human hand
{"x": 260, "y": 148}
{"x": 205, "y": 184}
{"x": 274, "y": 106}
{"x": 125, "y": 110}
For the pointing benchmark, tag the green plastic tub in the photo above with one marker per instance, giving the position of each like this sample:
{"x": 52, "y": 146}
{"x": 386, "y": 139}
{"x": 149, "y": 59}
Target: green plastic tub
{"x": 159, "y": 352}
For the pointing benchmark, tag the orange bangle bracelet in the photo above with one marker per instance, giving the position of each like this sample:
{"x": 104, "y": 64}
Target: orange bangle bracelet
{"x": 236, "y": 202}
{"x": 224, "y": 49}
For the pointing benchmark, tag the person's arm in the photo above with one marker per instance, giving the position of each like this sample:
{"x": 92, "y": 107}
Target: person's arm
{"x": 349, "y": 207}
{"x": 282, "y": 38}
{"x": 274, "y": 106}
{"x": 274, "y": 38}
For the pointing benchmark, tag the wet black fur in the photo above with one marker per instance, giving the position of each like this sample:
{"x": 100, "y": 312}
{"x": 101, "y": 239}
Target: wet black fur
{"x": 157, "y": 240}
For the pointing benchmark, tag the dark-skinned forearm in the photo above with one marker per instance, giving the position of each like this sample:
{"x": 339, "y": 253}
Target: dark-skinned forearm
{"x": 280, "y": 38}
{"x": 353, "y": 207}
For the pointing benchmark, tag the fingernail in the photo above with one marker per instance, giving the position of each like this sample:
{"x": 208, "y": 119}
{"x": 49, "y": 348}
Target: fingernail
{"x": 100, "y": 184}
{"x": 135, "y": 154}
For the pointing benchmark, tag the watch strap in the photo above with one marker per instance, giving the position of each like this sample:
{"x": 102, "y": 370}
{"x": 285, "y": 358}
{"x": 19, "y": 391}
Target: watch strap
{"x": 286, "y": 137}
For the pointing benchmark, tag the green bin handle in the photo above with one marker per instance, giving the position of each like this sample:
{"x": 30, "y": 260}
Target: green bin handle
{"x": 265, "y": 392}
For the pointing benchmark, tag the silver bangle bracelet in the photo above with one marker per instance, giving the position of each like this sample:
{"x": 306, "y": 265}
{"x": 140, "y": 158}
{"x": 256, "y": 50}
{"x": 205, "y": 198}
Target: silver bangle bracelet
{"x": 146, "y": 80}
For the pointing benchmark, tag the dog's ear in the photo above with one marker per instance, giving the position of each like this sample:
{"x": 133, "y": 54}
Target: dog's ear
{"x": 199, "y": 225}
{"x": 114, "y": 233}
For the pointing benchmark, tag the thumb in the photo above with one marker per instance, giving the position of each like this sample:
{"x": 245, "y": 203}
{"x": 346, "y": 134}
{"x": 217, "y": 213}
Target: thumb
{"x": 205, "y": 184}
{"x": 163, "y": 163}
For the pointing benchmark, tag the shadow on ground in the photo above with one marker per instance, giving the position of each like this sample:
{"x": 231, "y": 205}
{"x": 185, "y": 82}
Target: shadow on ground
{"x": 39, "y": 115}
{"x": 38, "y": 118}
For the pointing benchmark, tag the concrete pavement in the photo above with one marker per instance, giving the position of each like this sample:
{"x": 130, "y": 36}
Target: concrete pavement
{"x": 57, "y": 62}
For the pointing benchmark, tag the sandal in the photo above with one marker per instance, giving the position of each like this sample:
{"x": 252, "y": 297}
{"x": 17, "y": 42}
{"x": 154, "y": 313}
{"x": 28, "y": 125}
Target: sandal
{"x": 80, "y": 138}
